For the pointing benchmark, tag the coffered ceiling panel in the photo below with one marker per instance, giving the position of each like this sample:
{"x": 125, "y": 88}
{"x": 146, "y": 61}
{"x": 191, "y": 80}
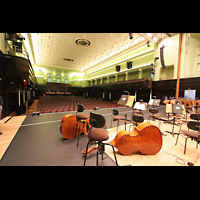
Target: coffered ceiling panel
{"x": 63, "y": 49}
{"x": 81, "y": 51}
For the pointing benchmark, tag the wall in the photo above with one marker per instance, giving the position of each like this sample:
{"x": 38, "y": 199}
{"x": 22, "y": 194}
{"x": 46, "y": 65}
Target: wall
{"x": 2, "y": 42}
{"x": 74, "y": 78}
{"x": 170, "y": 58}
{"x": 190, "y": 57}
{"x": 141, "y": 58}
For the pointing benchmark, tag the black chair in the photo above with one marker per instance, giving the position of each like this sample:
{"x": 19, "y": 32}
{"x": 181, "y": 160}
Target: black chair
{"x": 136, "y": 120}
{"x": 154, "y": 113}
{"x": 194, "y": 134}
{"x": 98, "y": 134}
{"x": 116, "y": 117}
{"x": 195, "y": 116}
{"x": 80, "y": 120}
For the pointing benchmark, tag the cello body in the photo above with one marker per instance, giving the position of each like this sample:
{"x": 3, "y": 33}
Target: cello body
{"x": 68, "y": 126}
{"x": 145, "y": 138}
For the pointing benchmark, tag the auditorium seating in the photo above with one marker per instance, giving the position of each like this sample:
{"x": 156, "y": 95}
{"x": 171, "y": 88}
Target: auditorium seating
{"x": 69, "y": 103}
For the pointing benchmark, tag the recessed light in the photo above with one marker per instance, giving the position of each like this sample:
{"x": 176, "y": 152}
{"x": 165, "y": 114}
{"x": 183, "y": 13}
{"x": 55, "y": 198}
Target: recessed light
{"x": 82, "y": 42}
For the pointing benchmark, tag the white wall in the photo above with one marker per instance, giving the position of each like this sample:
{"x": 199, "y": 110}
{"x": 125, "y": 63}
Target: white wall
{"x": 190, "y": 55}
{"x": 170, "y": 55}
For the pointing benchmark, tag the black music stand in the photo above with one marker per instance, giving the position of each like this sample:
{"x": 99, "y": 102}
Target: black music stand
{"x": 176, "y": 111}
{"x": 126, "y": 100}
{"x": 154, "y": 102}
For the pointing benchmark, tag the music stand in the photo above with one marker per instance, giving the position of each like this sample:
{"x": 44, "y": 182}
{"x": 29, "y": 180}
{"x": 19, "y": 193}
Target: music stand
{"x": 154, "y": 102}
{"x": 126, "y": 100}
{"x": 140, "y": 106}
{"x": 175, "y": 110}
{"x": 123, "y": 100}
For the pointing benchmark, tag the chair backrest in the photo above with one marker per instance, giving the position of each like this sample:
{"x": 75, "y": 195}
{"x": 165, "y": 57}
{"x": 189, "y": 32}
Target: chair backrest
{"x": 195, "y": 116}
{"x": 97, "y": 120}
{"x": 137, "y": 118}
{"x": 115, "y": 112}
{"x": 193, "y": 125}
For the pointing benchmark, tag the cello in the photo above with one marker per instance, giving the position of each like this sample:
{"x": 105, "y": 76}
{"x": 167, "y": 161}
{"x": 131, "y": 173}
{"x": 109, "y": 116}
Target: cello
{"x": 145, "y": 138}
{"x": 68, "y": 126}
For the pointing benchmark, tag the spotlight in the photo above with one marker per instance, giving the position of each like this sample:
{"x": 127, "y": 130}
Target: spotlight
{"x": 148, "y": 45}
{"x": 131, "y": 36}
{"x": 153, "y": 71}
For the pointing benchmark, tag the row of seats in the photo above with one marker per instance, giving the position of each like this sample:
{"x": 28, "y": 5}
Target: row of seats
{"x": 69, "y": 103}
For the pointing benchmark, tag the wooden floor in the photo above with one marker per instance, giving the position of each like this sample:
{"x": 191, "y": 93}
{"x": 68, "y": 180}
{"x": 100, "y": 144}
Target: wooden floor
{"x": 164, "y": 157}
{"x": 10, "y": 128}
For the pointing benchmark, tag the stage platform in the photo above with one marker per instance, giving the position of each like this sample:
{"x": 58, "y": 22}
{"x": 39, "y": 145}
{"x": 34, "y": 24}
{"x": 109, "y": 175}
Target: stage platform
{"x": 37, "y": 141}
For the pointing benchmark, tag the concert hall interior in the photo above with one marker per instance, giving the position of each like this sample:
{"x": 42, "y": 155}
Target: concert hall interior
{"x": 99, "y": 99}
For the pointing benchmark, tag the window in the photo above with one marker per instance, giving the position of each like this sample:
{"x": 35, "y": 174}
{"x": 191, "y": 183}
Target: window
{"x": 58, "y": 78}
{"x": 49, "y": 78}
{"x": 66, "y": 79}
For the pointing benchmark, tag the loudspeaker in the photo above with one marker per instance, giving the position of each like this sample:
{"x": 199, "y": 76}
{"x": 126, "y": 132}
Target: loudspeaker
{"x": 162, "y": 58}
{"x": 118, "y": 68}
{"x": 129, "y": 65}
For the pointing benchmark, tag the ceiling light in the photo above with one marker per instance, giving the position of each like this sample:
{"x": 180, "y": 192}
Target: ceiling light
{"x": 131, "y": 36}
{"x": 82, "y": 42}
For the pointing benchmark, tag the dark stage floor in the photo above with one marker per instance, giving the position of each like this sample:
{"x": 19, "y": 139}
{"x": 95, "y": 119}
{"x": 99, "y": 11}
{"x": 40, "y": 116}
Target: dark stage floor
{"x": 39, "y": 142}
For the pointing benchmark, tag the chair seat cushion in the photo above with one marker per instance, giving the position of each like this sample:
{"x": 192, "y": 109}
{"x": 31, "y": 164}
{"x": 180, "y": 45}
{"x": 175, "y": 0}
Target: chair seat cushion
{"x": 83, "y": 116}
{"x": 190, "y": 133}
{"x": 99, "y": 134}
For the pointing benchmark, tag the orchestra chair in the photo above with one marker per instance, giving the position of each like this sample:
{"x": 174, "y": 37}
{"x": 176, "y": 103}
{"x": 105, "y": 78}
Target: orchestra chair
{"x": 166, "y": 101}
{"x": 153, "y": 114}
{"x": 194, "y": 134}
{"x": 195, "y": 117}
{"x": 136, "y": 120}
{"x": 98, "y": 134}
{"x": 116, "y": 117}
{"x": 80, "y": 120}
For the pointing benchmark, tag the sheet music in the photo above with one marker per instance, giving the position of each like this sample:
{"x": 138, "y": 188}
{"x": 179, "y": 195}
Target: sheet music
{"x": 130, "y": 101}
{"x": 140, "y": 106}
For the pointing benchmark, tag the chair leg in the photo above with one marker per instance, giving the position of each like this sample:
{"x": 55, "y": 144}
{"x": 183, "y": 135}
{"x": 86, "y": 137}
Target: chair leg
{"x": 98, "y": 153}
{"x": 76, "y": 130}
{"x": 78, "y": 134}
{"x": 177, "y": 138}
{"x": 102, "y": 149}
{"x": 111, "y": 123}
{"x": 113, "y": 151}
{"x": 86, "y": 153}
{"x": 117, "y": 124}
{"x": 185, "y": 145}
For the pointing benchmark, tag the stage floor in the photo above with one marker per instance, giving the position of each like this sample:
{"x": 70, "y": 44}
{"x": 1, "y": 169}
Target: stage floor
{"x": 37, "y": 141}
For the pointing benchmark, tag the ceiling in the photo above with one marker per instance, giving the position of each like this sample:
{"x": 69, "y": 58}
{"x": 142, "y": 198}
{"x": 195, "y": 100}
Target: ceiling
{"x": 61, "y": 50}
